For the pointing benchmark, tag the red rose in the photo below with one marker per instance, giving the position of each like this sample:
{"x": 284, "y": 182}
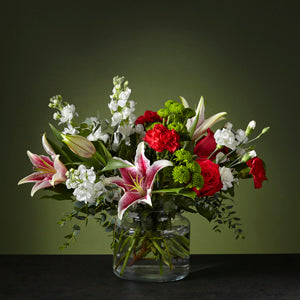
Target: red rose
{"x": 211, "y": 176}
{"x": 257, "y": 170}
{"x": 149, "y": 116}
{"x": 160, "y": 138}
{"x": 205, "y": 146}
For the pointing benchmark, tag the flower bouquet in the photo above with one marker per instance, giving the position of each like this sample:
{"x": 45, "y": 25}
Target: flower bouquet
{"x": 135, "y": 176}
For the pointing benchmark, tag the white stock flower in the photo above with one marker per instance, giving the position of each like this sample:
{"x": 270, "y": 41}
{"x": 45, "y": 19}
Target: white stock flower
{"x": 122, "y": 102}
{"x": 226, "y": 138}
{"x": 98, "y": 135}
{"x": 70, "y": 130}
{"x": 116, "y": 142}
{"x": 67, "y": 113}
{"x": 113, "y": 105}
{"x": 126, "y": 112}
{"x": 226, "y": 178}
{"x": 139, "y": 128}
{"x": 240, "y": 136}
{"x": 83, "y": 182}
{"x": 116, "y": 118}
{"x": 125, "y": 94}
{"x": 126, "y": 130}
{"x": 132, "y": 104}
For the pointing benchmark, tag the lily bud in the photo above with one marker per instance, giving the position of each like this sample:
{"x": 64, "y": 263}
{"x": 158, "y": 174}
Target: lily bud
{"x": 248, "y": 155}
{"x": 79, "y": 145}
{"x": 251, "y": 126}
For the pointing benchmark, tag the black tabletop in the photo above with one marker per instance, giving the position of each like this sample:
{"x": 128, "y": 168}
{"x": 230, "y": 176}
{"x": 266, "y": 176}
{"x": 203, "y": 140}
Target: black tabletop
{"x": 90, "y": 277}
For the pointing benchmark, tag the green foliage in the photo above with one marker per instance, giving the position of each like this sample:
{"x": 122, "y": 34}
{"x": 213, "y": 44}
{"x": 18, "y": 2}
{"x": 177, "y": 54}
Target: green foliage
{"x": 114, "y": 164}
{"x": 56, "y": 132}
{"x": 219, "y": 209}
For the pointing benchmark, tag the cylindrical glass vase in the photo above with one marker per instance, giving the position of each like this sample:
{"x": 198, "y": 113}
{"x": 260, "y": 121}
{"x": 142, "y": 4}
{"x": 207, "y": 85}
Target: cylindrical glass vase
{"x": 152, "y": 246}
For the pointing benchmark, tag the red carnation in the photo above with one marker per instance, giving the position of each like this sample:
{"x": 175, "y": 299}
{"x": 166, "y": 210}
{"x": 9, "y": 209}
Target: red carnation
{"x": 149, "y": 116}
{"x": 211, "y": 176}
{"x": 257, "y": 170}
{"x": 160, "y": 138}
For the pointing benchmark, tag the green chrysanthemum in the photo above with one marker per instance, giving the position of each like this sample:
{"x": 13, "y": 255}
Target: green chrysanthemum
{"x": 183, "y": 156}
{"x": 163, "y": 112}
{"x": 197, "y": 181}
{"x": 181, "y": 174}
{"x": 178, "y": 127}
{"x": 189, "y": 113}
{"x": 176, "y": 108}
{"x": 169, "y": 103}
{"x": 194, "y": 167}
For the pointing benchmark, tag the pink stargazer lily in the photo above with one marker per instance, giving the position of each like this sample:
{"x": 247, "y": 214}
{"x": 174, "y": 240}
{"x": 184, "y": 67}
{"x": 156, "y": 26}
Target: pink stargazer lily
{"x": 48, "y": 172}
{"x": 137, "y": 180}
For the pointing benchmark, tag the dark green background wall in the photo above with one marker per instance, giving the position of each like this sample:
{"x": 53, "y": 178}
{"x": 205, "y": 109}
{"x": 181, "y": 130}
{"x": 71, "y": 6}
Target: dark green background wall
{"x": 242, "y": 56}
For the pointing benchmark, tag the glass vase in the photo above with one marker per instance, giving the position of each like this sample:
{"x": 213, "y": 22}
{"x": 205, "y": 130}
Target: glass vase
{"x": 152, "y": 246}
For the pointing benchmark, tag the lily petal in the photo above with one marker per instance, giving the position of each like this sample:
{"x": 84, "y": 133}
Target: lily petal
{"x": 47, "y": 147}
{"x": 200, "y": 111}
{"x": 141, "y": 161}
{"x": 128, "y": 199}
{"x": 184, "y": 102}
{"x": 34, "y": 177}
{"x": 153, "y": 170}
{"x": 116, "y": 180}
{"x": 207, "y": 124}
{"x": 40, "y": 185}
{"x": 60, "y": 167}
{"x": 40, "y": 161}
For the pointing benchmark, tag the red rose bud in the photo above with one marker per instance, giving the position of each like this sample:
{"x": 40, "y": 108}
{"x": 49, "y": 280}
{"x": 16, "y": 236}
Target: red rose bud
{"x": 149, "y": 116}
{"x": 160, "y": 138}
{"x": 79, "y": 145}
{"x": 258, "y": 171}
{"x": 205, "y": 146}
{"x": 212, "y": 179}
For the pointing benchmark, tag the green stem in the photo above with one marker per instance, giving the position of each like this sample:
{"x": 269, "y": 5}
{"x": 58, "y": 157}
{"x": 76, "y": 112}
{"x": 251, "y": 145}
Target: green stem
{"x": 129, "y": 251}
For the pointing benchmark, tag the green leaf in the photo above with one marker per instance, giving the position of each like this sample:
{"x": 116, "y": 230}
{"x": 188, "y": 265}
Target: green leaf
{"x": 58, "y": 197}
{"x": 172, "y": 190}
{"x": 103, "y": 151}
{"x": 63, "y": 155}
{"x": 179, "y": 191}
{"x": 113, "y": 164}
{"x": 56, "y": 133}
{"x": 205, "y": 211}
{"x": 76, "y": 227}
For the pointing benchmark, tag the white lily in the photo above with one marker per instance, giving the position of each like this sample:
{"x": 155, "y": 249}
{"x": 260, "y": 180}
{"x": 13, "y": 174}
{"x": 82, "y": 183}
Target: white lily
{"x": 198, "y": 124}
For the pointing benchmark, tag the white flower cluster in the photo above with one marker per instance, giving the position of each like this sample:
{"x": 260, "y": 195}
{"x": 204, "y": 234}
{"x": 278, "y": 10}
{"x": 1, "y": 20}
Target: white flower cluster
{"x": 226, "y": 177}
{"x": 122, "y": 113}
{"x": 64, "y": 114}
{"x": 226, "y": 137}
{"x": 96, "y": 129}
{"x": 120, "y": 106}
{"x": 83, "y": 182}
